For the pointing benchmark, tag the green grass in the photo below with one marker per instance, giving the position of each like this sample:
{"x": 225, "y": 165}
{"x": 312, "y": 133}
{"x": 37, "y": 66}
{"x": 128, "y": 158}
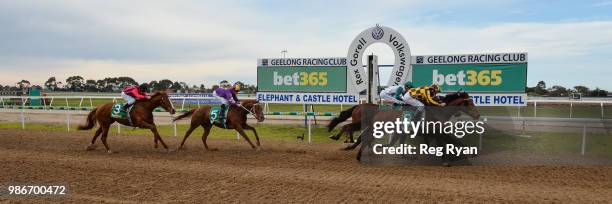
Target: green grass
{"x": 493, "y": 140}
{"x": 267, "y": 131}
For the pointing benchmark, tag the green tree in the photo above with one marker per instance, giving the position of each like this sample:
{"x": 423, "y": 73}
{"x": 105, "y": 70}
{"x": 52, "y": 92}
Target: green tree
{"x": 582, "y": 89}
{"x": 558, "y": 91}
{"x": 540, "y": 89}
{"x": 91, "y": 85}
{"x": 51, "y": 84}
{"x": 75, "y": 83}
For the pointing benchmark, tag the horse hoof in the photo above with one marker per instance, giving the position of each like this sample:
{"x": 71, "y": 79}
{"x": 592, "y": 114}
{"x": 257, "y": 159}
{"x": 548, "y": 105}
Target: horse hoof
{"x": 212, "y": 149}
{"x": 333, "y": 137}
{"x": 91, "y": 147}
{"x": 109, "y": 151}
{"x": 446, "y": 164}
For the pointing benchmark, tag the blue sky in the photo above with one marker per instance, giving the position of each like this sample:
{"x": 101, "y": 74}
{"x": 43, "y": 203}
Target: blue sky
{"x": 569, "y": 42}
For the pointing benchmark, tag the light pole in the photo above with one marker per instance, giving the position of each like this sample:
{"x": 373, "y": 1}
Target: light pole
{"x": 284, "y": 52}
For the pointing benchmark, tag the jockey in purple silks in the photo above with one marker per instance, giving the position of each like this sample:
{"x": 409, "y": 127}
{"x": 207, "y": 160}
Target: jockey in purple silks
{"x": 227, "y": 94}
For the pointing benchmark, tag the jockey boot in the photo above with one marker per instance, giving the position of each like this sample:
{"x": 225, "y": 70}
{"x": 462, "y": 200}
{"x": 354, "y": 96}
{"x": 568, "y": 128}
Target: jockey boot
{"x": 126, "y": 107}
{"x": 222, "y": 113}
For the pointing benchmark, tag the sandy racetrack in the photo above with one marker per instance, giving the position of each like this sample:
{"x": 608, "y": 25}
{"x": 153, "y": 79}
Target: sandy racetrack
{"x": 281, "y": 172}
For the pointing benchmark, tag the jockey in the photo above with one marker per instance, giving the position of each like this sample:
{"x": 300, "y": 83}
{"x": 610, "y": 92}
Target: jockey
{"x": 134, "y": 93}
{"x": 425, "y": 94}
{"x": 227, "y": 94}
{"x": 416, "y": 96}
{"x": 394, "y": 93}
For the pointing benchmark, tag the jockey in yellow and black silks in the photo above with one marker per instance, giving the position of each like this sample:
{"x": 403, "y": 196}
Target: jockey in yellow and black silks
{"x": 426, "y": 94}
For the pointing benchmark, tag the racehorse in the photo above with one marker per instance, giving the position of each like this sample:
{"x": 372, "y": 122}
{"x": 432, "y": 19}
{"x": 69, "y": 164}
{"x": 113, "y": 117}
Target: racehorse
{"x": 236, "y": 119}
{"x": 456, "y": 103}
{"x": 141, "y": 116}
{"x": 355, "y": 113}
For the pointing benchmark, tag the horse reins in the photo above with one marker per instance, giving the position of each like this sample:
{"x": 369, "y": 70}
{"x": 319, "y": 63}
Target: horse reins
{"x": 250, "y": 112}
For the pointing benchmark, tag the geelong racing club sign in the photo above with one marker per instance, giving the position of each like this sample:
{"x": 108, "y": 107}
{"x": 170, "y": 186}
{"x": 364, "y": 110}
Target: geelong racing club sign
{"x": 378, "y": 34}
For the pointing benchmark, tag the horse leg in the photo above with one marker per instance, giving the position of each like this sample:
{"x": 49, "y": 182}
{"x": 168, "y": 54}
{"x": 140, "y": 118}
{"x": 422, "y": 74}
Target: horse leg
{"x": 337, "y": 135}
{"x": 241, "y": 132}
{"x": 205, "y": 137}
{"x": 191, "y": 128}
{"x": 153, "y": 129}
{"x": 92, "y": 145}
{"x": 254, "y": 132}
{"x": 156, "y": 134}
{"x": 351, "y": 138}
{"x": 354, "y": 145}
{"x": 155, "y": 142}
{"x": 104, "y": 135}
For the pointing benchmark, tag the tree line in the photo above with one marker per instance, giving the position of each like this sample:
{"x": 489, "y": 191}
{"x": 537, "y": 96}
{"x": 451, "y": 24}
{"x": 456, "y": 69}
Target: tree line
{"x": 542, "y": 90}
{"x": 116, "y": 84}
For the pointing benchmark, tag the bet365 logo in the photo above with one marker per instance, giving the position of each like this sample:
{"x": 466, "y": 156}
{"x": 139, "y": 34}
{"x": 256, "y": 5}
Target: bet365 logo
{"x": 468, "y": 78}
{"x": 301, "y": 79}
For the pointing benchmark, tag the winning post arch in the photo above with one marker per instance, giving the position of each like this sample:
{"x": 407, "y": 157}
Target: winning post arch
{"x": 378, "y": 34}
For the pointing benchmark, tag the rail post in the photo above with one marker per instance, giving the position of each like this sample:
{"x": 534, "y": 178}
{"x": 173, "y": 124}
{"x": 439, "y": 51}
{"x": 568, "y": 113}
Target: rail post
{"x": 68, "y": 120}
{"x": 535, "y": 109}
{"x": 174, "y": 126}
{"x": 571, "y": 107}
{"x": 484, "y": 120}
{"x": 583, "y": 139}
{"x": 22, "y": 114}
{"x": 51, "y": 103}
{"x": 309, "y": 130}
{"x": 118, "y": 129}
{"x": 602, "y": 110}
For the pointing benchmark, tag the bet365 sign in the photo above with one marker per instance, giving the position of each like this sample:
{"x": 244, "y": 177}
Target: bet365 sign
{"x": 302, "y": 75}
{"x": 493, "y": 76}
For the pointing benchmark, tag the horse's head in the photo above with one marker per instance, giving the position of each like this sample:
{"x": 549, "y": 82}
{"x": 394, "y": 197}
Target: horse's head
{"x": 162, "y": 99}
{"x": 254, "y": 107}
{"x": 461, "y": 98}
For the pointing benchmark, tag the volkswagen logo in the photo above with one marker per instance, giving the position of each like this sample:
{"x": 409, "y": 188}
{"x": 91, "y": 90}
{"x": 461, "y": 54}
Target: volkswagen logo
{"x": 377, "y": 32}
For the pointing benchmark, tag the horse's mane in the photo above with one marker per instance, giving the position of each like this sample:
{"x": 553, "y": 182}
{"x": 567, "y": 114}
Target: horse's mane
{"x": 454, "y": 96}
{"x": 159, "y": 93}
{"x": 249, "y": 101}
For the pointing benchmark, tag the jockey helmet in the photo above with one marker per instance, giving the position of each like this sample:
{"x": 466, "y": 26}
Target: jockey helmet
{"x": 224, "y": 84}
{"x": 435, "y": 88}
{"x": 408, "y": 85}
{"x": 143, "y": 87}
{"x": 237, "y": 86}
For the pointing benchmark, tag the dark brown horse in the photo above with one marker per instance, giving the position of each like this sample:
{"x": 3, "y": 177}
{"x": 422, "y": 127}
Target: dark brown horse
{"x": 455, "y": 103}
{"x": 355, "y": 113}
{"x": 236, "y": 119}
{"x": 141, "y": 116}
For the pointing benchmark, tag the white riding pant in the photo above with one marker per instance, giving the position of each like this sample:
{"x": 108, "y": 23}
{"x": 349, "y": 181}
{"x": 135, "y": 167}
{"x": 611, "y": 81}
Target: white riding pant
{"x": 413, "y": 102}
{"x": 390, "y": 98}
{"x": 130, "y": 100}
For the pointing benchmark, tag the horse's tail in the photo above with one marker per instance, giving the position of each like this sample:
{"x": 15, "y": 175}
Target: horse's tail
{"x": 344, "y": 115}
{"x": 91, "y": 122}
{"x": 184, "y": 115}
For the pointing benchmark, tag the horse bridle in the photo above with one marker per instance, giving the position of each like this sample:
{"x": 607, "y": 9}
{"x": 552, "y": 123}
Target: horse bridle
{"x": 251, "y": 110}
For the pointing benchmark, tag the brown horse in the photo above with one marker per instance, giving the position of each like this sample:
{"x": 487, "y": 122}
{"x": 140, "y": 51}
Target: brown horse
{"x": 456, "y": 103}
{"x": 355, "y": 113}
{"x": 141, "y": 115}
{"x": 236, "y": 119}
